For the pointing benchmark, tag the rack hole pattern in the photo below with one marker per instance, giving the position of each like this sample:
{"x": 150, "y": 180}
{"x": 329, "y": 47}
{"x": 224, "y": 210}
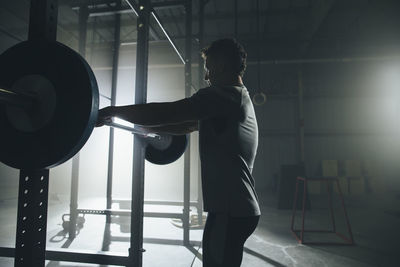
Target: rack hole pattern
{"x": 31, "y": 222}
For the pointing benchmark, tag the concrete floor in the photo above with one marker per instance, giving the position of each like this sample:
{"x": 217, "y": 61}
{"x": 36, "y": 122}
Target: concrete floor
{"x": 375, "y": 223}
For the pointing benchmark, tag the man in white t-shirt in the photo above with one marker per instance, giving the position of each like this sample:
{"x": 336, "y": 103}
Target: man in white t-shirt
{"x": 224, "y": 116}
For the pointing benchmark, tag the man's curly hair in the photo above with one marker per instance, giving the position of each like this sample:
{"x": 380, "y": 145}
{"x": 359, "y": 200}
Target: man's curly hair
{"x": 228, "y": 51}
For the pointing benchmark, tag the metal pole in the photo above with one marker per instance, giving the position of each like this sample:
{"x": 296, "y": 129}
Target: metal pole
{"x": 83, "y": 17}
{"x": 134, "y": 7}
{"x": 201, "y": 84}
{"x": 188, "y": 92}
{"x": 43, "y": 20}
{"x": 342, "y": 60}
{"x": 117, "y": 32}
{"x": 174, "y": 46}
{"x": 132, "y": 130}
{"x": 136, "y": 246}
{"x": 73, "y": 206}
{"x": 301, "y": 118}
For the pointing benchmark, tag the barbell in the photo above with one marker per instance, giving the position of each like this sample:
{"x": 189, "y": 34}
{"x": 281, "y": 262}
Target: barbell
{"x": 49, "y": 108}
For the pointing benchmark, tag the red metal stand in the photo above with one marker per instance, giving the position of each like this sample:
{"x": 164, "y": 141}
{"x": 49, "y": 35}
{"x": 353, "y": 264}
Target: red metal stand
{"x": 347, "y": 240}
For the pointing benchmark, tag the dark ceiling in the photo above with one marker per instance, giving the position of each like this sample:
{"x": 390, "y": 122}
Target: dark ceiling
{"x": 286, "y": 29}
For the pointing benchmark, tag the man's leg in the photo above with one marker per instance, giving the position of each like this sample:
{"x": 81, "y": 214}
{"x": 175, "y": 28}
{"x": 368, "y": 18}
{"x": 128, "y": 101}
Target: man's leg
{"x": 238, "y": 230}
{"x": 214, "y": 239}
{"x": 224, "y": 238}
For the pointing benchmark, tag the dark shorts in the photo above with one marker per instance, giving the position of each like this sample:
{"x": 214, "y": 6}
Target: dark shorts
{"x": 224, "y": 238}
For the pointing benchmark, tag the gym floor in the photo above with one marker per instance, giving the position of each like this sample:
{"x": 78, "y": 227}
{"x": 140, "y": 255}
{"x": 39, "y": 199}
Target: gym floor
{"x": 373, "y": 219}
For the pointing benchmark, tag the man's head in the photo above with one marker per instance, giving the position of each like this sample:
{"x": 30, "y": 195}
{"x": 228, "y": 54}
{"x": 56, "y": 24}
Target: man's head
{"x": 225, "y": 62}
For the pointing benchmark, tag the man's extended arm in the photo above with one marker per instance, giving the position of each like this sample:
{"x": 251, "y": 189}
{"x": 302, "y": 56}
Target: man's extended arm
{"x": 151, "y": 114}
{"x": 173, "y": 129}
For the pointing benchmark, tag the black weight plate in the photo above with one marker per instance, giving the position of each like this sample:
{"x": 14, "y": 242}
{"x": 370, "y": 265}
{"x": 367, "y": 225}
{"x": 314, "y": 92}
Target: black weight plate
{"x": 76, "y": 105}
{"x": 166, "y": 156}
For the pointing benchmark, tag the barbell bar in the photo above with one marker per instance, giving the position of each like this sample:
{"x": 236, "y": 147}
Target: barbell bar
{"x": 27, "y": 102}
{"x": 51, "y": 104}
{"x": 112, "y": 124}
{"x": 12, "y": 98}
{"x": 161, "y": 149}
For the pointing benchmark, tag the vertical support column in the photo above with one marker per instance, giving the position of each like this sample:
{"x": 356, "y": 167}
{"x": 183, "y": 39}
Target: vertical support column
{"x": 43, "y": 20}
{"x": 301, "y": 117}
{"x": 188, "y": 92}
{"x": 143, "y": 24}
{"x": 30, "y": 247}
{"x": 114, "y": 78}
{"x": 202, "y": 4}
{"x": 73, "y": 207}
{"x": 82, "y": 21}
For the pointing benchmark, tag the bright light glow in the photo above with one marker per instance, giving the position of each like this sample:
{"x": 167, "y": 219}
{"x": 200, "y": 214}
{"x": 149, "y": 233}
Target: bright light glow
{"x": 123, "y": 122}
{"x": 391, "y": 80}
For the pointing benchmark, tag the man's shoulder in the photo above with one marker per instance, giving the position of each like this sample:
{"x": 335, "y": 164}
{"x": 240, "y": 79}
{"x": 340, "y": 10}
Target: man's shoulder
{"x": 221, "y": 90}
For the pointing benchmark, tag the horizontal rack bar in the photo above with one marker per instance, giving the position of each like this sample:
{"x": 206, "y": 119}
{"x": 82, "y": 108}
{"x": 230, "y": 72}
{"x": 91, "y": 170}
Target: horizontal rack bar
{"x": 81, "y": 256}
{"x": 159, "y": 202}
{"x": 121, "y": 212}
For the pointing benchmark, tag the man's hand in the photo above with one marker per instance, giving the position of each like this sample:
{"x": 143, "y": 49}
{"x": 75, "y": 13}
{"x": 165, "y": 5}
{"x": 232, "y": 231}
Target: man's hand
{"x": 105, "y": 115}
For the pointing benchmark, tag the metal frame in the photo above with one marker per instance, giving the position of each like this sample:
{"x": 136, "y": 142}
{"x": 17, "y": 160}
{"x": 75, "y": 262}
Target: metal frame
{"x": 347, "y": 240}
{"x": 137, "y": 201}
{"x": 30, "y": 247}
{"x": 188, "y": 93}
{"x": 188, "y": 85}
{"x": 110, "y": 168}
{"x": 202, "y": 4}
{"x": 83, "y": 18}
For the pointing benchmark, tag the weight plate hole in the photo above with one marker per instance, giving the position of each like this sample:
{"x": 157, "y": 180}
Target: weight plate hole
{"x": 26, "y": 191}
{"x": 26, "y": 178}
{"x": 25, "y": 205}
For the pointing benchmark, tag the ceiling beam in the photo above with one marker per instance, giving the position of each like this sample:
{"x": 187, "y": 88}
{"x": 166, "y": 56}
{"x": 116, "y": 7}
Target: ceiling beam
{"x": 168, "y": 4}
{"x": 105, "y": 11}
{"x": 97, "y": 11}
{"x": 78, "y": 3}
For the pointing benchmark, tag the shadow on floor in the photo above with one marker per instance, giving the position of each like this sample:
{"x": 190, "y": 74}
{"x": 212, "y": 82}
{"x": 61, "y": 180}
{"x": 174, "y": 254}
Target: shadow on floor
{"x": 195, "y": 252}
{"x": 262, "y": 257}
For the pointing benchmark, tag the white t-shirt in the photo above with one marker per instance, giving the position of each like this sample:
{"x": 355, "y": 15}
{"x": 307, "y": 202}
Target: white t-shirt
{"x": 228, "y": 144}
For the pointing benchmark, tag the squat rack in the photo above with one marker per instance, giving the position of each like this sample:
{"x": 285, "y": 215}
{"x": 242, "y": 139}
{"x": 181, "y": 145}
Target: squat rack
{"x": 185, "y": 216}
{"x": 30, "y": 249}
